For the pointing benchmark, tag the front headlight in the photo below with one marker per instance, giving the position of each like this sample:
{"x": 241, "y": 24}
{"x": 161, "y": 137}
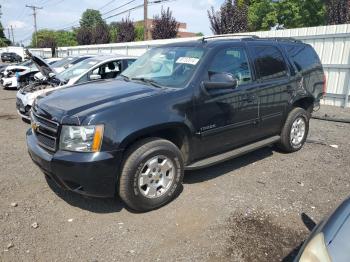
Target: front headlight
{"x": 316, "y": 250}
{"x": 81, "y": 138}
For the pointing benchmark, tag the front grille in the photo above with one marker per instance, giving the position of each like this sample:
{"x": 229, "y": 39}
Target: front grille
{"x": 46, "y": 131}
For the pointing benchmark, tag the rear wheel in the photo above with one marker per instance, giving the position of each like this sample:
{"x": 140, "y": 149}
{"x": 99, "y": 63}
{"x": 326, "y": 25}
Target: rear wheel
{"x": 295, "y": 130}
{"x": 151, "y": 175}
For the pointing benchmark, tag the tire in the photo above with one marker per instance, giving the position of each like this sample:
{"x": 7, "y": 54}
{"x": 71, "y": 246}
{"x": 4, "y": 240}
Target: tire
{"x": 293, "y": 142}
{"x": 141, "y": 178}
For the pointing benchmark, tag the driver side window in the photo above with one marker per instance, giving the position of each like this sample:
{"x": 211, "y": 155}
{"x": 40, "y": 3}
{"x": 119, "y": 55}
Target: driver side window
{"x": 233, "y": 61}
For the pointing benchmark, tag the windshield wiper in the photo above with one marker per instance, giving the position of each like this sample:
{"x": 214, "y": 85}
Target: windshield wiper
{"x": 125, "y": 78}
{"x": 148, "y": 81}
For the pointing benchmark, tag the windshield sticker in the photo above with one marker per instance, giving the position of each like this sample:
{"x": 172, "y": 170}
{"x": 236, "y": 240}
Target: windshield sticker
{"x": 187, "y": 60}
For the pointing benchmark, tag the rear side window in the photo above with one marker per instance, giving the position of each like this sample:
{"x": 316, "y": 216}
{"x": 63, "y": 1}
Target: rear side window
{"x": 303, "y": 56}
{"x": 269, "y": 62}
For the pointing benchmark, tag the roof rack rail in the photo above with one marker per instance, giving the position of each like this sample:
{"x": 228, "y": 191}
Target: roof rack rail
{"x": 290, "y": 39}
{"x": 228, "y": 36}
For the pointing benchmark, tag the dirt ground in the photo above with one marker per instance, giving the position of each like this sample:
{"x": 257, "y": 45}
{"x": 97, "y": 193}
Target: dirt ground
{"x": 247, "y": 209}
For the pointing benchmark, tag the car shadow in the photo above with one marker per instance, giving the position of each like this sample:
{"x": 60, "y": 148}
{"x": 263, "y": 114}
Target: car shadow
{"x": 197, "y": 176}
{"x": 112, "y": 205}
{"x": 92, "y": 204}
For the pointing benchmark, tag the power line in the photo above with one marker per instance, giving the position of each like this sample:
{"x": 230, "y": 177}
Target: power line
{"x": 110, "y": 11}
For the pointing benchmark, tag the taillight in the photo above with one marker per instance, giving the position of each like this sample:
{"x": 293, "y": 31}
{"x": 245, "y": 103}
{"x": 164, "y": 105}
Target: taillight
{"x": 324, "y": 91}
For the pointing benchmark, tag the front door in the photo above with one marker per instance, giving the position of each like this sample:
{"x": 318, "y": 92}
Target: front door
{"x": 227, "y": 118}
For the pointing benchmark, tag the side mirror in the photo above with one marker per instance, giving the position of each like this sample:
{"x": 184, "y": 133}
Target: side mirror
{"x": 51, "y": 75}
{"x": 221, "y": 81}
{"x": 95, "y": 77}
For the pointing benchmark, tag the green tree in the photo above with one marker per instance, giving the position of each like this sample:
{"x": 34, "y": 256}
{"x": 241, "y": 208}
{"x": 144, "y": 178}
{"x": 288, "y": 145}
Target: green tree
{"x": 199, "y": 34}
{"x": 66, "y": 38}
{"x": 3, "y": 40}
{"x": 139, "y": 32}
{"x": 263, "y": 14}
{"x": 51, "y": 38}
{"x": 90, "y": 18}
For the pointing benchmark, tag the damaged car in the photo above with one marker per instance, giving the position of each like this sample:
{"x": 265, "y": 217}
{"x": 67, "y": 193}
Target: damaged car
{"x": 10, "y": 75}
{"x": 28, "y": 77}
{"x": 92, "y": 69}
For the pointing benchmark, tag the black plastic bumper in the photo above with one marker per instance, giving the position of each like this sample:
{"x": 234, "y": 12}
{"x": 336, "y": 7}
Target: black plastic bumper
{"x": 92, "y": 174}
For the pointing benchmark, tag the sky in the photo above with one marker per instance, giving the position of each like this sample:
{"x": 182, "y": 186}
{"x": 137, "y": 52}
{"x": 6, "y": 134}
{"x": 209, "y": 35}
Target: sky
{"x": 59, "y": 14}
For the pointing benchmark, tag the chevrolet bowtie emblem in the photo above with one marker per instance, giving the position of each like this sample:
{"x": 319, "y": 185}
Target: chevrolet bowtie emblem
{"x": 35, "y": 126}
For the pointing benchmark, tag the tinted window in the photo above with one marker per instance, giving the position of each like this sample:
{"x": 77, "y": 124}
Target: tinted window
{"x": 269, "y": 62}
{"x": 303, "y": 56}
{"x": 233, "y": 61}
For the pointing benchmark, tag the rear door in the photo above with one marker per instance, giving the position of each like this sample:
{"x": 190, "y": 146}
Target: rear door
{"x": 274, "y": 86}
{"x": 227, "y": 118}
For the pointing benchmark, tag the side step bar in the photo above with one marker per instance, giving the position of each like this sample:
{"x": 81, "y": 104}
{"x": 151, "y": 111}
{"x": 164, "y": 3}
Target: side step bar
{"x": 232, "y": 154}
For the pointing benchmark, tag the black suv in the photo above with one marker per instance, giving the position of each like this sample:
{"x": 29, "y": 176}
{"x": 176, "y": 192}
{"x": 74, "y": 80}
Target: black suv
{"x": 10, "y": 57}
{"x": 179, "y": 107}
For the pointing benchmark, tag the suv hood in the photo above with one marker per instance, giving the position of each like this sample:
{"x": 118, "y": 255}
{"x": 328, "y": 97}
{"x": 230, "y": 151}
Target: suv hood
{"x": 83, "y": 100}
{"x": 42, "y": 66}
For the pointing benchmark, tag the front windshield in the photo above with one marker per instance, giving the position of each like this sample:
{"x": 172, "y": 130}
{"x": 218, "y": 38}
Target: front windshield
{"x": 166, "y": 66}
{"x": 78, "y": 69}
{"x": 63, "y": 62}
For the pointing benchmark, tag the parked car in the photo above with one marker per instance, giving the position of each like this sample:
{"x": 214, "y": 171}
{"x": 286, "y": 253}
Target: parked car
{"x": 330, "y": 239}
{"x": 181, "y": 106}
{"x": 10, "y": 57}
{"x": 91, "y": 69}
{"x": 12, "y": 73}
{"x": 28, "y": 77}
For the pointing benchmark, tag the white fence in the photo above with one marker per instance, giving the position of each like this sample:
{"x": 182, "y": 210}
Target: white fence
{"x": 332, "y": 43}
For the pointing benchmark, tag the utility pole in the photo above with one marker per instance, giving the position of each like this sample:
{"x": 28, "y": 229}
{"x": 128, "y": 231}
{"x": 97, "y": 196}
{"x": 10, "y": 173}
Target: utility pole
{"x": 145, "y": 27}
{"x": 34, "y": 8}
{"x": 9, "y": 33}
{"x": 13, "y": 37}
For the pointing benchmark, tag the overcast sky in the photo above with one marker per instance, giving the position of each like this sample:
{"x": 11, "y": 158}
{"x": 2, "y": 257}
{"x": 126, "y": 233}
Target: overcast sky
{"x": 58, "y": 14}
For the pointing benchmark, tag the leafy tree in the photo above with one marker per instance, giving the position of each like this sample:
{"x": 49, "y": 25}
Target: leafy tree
{"x": 112, "y": 28}
{"x": 125, "y": 31}
{"x": 3, "y": 40}
{"x": 51, "y": 38}
{"x": 231, "y": 18}
{"x": 65, "y": 38}
{"x": 139, "y": 32}
{"x": 90, "y": 18}
{"x": 100, "y": 34}
{"x": 165, "y": 25}
{"x": 84, "y": 36}
{"x": 338, "y": 11}
{"x": 199, "y": 34}
{"x": 46, "y": 39}
{"x": 264, "y": 14}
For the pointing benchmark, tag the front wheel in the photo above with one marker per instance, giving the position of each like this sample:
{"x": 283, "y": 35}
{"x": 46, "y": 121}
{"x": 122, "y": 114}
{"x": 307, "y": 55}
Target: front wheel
{"x": 295, "y": 130}
{"x": 151, "y": 175}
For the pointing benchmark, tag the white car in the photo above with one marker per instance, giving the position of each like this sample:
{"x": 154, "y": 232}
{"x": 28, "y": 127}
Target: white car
{"x": 91, "y": 69}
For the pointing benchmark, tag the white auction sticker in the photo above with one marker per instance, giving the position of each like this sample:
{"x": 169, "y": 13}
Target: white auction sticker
{"x": 187, "y": 60}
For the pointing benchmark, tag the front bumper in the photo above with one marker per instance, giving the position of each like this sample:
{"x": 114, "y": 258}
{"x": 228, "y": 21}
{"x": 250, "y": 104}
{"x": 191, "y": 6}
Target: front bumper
{"x": 91, "y": 174}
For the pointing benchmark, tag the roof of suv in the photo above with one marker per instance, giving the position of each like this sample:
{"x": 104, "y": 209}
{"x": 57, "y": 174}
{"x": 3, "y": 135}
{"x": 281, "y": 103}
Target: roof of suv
{"x": 213, "y": 41}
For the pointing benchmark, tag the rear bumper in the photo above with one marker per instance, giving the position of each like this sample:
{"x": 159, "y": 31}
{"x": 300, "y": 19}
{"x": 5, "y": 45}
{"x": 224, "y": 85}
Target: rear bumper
{"x": 91, "y": 174}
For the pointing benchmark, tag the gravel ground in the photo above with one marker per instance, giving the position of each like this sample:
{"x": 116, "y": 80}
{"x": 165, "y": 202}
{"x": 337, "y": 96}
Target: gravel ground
{"x": 247, "y": 209}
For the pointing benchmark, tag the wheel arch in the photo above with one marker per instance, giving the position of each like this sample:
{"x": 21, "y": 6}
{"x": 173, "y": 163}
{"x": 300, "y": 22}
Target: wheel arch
{"x": 177, "y": 133}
